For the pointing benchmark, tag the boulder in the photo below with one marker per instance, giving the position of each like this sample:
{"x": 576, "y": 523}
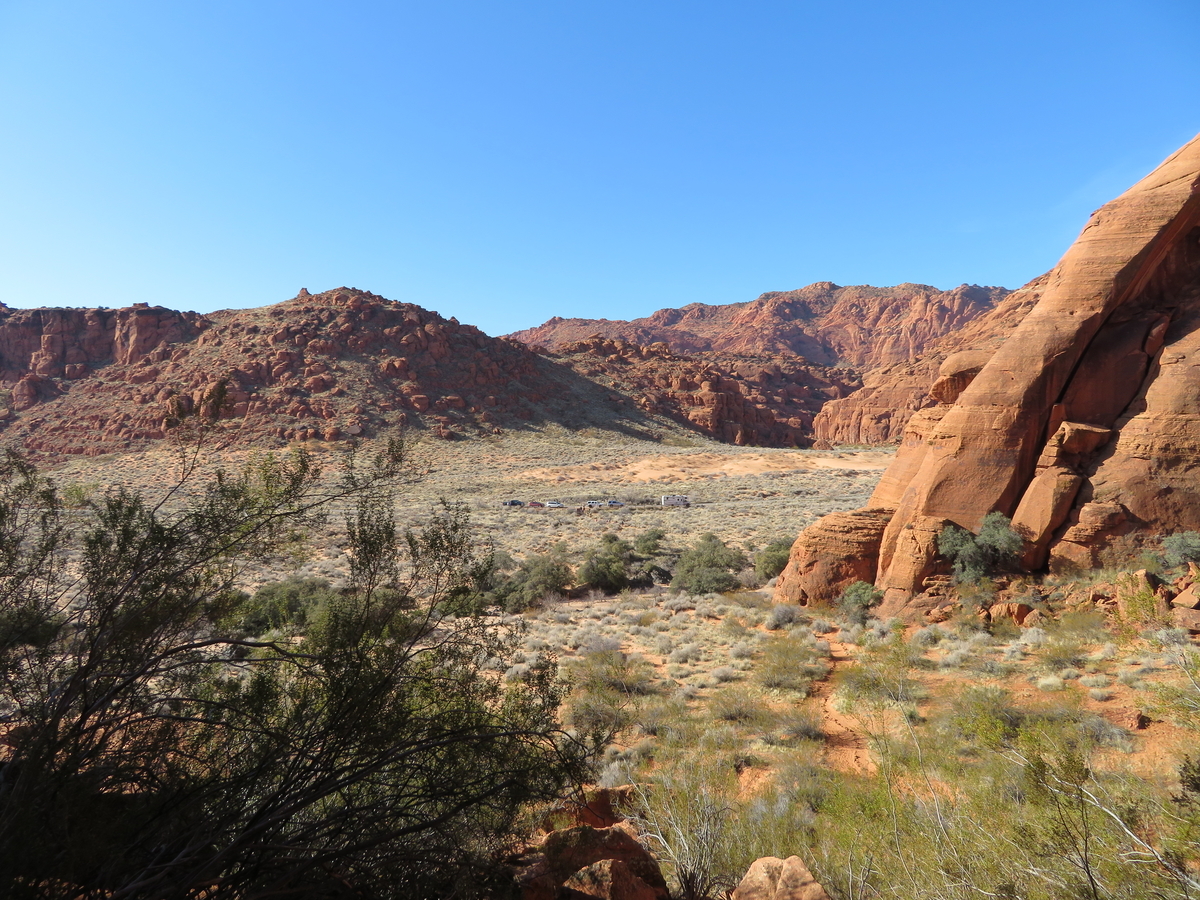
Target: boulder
{"x": 771, "y": 878}
{"x": 1188, "y": 598}
{"x": 830, "y": 554}
{"x": 608, "y": 879}
{"x": 564, "y": 853}
{"x": 1188, "y": 619}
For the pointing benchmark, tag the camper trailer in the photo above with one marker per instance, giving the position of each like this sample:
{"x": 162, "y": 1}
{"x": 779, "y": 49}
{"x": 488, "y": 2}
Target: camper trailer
{"x": 676, "y": 500}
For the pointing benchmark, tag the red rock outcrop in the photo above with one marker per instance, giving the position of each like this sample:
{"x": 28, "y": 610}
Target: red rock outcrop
{"x": 771, "y": 878}
{"x": 860, "y": 326}
{"x": 1084, "y": 422}
{"x": 741, "y": 400}
{"x": 831, "y": 554}
{"x": 891, "y": 395}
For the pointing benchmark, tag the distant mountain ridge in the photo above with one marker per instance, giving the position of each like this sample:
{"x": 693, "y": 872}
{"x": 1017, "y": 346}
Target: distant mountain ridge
{"x": 860, "y": 326}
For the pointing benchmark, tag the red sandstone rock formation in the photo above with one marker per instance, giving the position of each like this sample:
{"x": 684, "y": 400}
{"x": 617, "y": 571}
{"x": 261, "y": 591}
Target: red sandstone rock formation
{"x": 880, "y": 410}
{"x": 740, "y": 400}
{"x": 831, "y": 554}
{"x": 345, "y": 362}
{"x": 1084, "y": 423}
{"x": 861, "y": 326}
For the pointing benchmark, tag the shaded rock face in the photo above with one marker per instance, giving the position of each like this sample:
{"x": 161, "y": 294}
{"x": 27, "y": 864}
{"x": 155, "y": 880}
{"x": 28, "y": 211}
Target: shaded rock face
{"x": 1085, "y": 423}
{"x": 831, "y": 554}
{"x": 760, "y": 401}
{"x": 860, "y": 326}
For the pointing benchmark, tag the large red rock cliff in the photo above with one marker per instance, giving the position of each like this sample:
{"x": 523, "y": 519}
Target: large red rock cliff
{"x": 1084, "y": 425}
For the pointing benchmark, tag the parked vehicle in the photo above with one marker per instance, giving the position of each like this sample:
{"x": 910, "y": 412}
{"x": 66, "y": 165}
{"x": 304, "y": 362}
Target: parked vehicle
{"x": 554, "y": 504}
{"x": 512, "y": 503}
{"x": 615, "y": 503}
{"x": 535, "y": 504}
{"x": 595, "y": 504}
{"x": 676, "y": 500}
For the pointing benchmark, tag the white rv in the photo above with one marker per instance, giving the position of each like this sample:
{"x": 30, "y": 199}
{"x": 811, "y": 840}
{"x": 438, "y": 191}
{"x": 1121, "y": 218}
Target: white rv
{"x": 676, "y": 500}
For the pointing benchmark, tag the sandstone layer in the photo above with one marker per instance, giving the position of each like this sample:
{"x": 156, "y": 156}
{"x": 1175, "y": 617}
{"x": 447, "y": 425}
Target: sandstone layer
{"x": 1084, "y": 422}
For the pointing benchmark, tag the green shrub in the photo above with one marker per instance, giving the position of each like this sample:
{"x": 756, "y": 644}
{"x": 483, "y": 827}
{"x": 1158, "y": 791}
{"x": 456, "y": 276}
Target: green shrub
{"x": 539, "y": 576}
{"x": 282, "y": 604}
{"x": 857, "y": 601}
{"x": 975, "y": 556}
{"x": 789, "y": 662}
{"x": 1181, "y": 548}
{"x": 606, "y": 566}
{"x": 771, "y": 559}
{"x": 708, "y": 567}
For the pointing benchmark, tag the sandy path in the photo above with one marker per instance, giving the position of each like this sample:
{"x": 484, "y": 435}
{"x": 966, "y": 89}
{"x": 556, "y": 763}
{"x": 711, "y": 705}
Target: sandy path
{"x": 845, "y": 746}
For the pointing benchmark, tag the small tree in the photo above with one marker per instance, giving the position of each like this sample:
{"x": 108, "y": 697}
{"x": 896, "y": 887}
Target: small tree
{"x": 606, "y": 566}
{"x": 537, "y": 577}
{"x": 994, "y": 550}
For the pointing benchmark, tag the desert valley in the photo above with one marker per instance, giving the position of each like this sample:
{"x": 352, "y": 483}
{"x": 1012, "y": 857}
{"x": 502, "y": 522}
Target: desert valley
{"x": 841, "y": 592}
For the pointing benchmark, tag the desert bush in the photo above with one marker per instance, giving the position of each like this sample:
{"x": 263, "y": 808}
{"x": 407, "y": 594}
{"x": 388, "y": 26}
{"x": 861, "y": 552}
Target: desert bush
{"x": 772, "y": 559}
{"x": 1181, "y": 548}
{"x": 928, "y": 636}
{"x": 687, "y": 653}
{"x": 284, "y": 604}
{"x": 382, "y": 736}
{"x": 789, "y": 662}
{"x": 540, "y": 576}
{"x": 783, "y": 614}
{"x": 708, "y": 566}
{"x": 857, "y": 601}
{"x": 605, "y": 566}
{"x": 736, "y": 704}
{"x": 974, "y": 556}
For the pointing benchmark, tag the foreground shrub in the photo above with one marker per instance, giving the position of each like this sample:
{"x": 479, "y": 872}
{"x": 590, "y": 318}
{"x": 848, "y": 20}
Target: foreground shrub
{"x": 857, "y": 601}
{"x": 161, "y": 752}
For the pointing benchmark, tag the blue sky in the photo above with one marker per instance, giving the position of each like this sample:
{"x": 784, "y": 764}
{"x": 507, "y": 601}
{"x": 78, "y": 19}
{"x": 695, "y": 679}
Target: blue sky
{"x": 506, "y": 162}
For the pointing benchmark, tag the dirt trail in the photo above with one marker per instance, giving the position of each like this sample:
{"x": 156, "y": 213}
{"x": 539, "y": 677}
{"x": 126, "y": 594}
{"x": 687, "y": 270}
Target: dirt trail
{"x": 845, "y": 746}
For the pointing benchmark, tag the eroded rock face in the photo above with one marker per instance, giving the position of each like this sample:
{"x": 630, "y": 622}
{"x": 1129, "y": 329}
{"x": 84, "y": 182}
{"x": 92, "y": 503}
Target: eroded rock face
{"x": 569, "y": 857}
{"x": 830, "y": 555}
{"x": 1085, "y": 423}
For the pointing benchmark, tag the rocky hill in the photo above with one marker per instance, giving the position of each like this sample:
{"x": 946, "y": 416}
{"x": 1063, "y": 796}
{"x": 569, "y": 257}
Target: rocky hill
{"x": 859, "y": 326}
{"x": 764, "y": 401}
{"x": 347, "y": 362}
{"x": 1082, "y": 426}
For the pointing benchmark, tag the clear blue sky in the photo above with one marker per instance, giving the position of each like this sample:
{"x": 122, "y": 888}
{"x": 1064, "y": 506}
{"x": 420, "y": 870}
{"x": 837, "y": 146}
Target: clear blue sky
{"x": 504, "y": 162}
